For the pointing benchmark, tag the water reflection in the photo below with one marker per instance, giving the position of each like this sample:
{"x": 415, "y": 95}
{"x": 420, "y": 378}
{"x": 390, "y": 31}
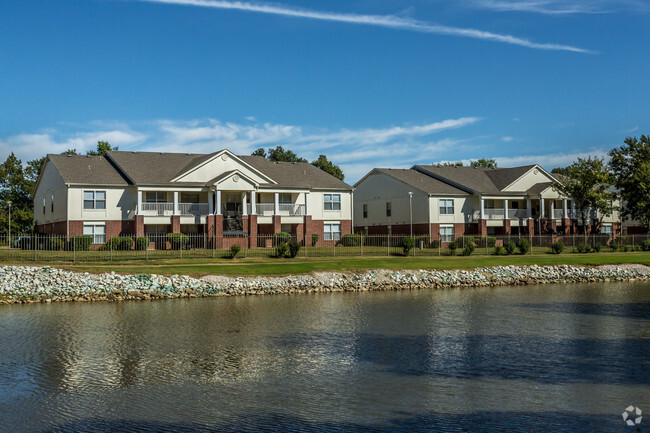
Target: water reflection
{"x": 520, "y": 357}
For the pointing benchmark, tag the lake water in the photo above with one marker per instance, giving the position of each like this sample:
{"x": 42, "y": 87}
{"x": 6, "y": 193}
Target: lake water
{"x": 512, "y": 359}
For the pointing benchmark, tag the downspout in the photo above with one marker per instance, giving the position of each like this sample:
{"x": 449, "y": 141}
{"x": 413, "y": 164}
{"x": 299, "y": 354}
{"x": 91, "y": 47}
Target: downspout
{"x": 352, "y": 212}
{"x": 67, "y": 213}
{"x": 429, "y": 216}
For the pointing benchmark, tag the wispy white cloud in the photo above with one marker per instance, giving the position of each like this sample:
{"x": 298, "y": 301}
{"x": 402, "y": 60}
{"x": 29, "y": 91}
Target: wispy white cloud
{"x": 562, "y": 7}
{"x": 507, "y": 139}
{"x": 551, "y": 160}
{"x": 386, "y": 21}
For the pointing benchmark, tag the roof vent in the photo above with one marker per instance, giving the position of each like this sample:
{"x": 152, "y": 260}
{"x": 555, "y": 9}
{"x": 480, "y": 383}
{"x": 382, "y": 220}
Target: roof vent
{"x": 69, "y": 156}
{"x": 88, "y": 167}
{"x": 304, "y": 172}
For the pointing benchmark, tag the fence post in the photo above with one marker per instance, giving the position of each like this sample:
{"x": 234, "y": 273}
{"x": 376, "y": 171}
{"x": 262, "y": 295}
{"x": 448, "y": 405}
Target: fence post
{"x": 632, "y": 242}
{"x": 35, "y": 246}
{"x": 387, "y": 245}
{"x": 111, "y": 247}
{"x": 245, "y": 244}
{"x": 74, "y": 251}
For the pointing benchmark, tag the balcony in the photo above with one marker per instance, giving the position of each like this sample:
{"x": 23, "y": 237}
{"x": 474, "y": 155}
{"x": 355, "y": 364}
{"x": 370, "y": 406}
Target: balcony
{"x": 268, "y": 209}
{"x": 195, "y": 209}
{"x": 494, "y": 214}
{"x": 518, "y": 214}
{"x": 558, "y": 214}
{"x": 167, "y": 209}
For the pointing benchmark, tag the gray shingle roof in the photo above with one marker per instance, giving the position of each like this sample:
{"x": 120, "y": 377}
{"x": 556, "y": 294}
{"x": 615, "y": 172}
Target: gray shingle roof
{"x": 86, "y": 170}
{"x": 476, "y": 179}
{"x": 538, "y": 187}
{"x": 155, "y": 168}
{"x": 421, "y": 181}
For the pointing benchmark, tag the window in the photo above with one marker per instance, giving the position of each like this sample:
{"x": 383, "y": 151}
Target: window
{"x": 607, "y": 230}
{"x": 43, "y": 205}
{"x": 447, "y": 233}
{"x": 365, "y": 211}
{"x": 332, "y": 201}
{"x": 52, "y": 204}
{"x": 190, "y": 197}
{"x": 97, "y": 232}
{"x": 446, "y": 206}
{"x": 332, "y": 232}
{"x": 389, "y": 210}
{"x": 389, "y": 230}
{"x": 155, "y": 197}
{"x": 94, "y": 199}
{"x": 285, "y": 198}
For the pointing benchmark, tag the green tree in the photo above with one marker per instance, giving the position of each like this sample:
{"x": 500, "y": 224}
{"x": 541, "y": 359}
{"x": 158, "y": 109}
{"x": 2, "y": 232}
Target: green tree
{"x": 484, "y": 162}
{"x": 280, "y": 154}
{"x": 587, "y": 182}
{"x": 260, "y": 152}
{"x": 559, "y": 170}
{"x": 17, "y": 188}
{"x": 327, "y": 166}
{"x": 630, "y": 165}
{"x": 450, "y": 164}
{"x": 102, "y": 148}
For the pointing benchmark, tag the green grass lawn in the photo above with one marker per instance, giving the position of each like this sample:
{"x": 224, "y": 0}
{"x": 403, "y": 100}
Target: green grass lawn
{"x": 301, "y": 265}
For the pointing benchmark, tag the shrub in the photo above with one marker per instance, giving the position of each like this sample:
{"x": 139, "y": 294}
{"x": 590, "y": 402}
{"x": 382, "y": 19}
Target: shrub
{"x": 645, "y": 246}
{"x": 81, "y": 243}
{"x": 53, "y": 244}
{"x": 625, "y": 248}
{"x": 452, "y": 247}
{"x": 119, "y": 244}
{"x": 469, "y": 249}
{"x": 462, "y": 241}
{"x": 281, "y": 250}
{"x": 435, "y": 244}
{"x": 524, "y": 246}
{"x": 500, "y": 251}
{"x": 407, "y": 245}
{"x": 142, "y": 243}
{"x": 294, "y": 247}
{"x": 596, "y": 248}
{"x": 422, "y": 240}
{"x": 282, "y": 237}
{"x": 353, "y": 240}
{"x": 583, "y": 248}
{"x": 557, "y": 247}
{"x": 489, "y": 241}
{"x": 234, "y": 250}
{"x": 510, "y": 247}
{"x": 178, "y": 241}
{"x": 314, "y": 239}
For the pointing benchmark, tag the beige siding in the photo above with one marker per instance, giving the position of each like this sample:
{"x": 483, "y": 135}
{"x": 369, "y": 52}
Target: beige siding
{"x": 463, "y": 208}
{"x": 529, "y": 179}
{"x": 120, "y": 204}
{"x": 51, "y": 184}
{"x": 317, "y": 204}
{"x": 217, "y": 166}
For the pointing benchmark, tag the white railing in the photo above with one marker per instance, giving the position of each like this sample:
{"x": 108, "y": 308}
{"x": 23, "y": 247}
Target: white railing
{"x": 577, "y": 215}
{"x": 558, "y": 214}
{"x": 158, "y": 208}
{"x": 494, "y": 214}
{"x": 518, "y": 214}
{"x": 193, "y": 208}
{"x": 268, "y": 209}
{"x": 263, "y": 209}
{"x": 292, "y": 209}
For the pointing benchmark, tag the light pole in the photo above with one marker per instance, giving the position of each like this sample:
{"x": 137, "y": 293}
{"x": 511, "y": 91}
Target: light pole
{"x": 9, "y": 203}
{"x": 411, "y": 211}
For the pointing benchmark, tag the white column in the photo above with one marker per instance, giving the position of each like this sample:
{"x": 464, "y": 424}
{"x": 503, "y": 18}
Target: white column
{"x": 210, "y": 203}
{"x": 541, "y": 207}
{"x": 139, "y": 211}
{"x": 253, "y": 203}
{"x": 529, "y": 207}
{"x": 176, "y": 210}
{"x": 244, "y": 203}
{"x": 505, "y": 208}
{"x": 307, "y": 203}
{"x": 482, "y": 208}
{"x": 217, "y": 194}
{"x": 552, "y": 209}
{"x": 565, "y": 208}
{"x": 573, "y": 208}
{"x": 276, "y": 208}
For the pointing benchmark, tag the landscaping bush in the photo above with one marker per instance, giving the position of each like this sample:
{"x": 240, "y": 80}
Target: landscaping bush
{"x": 81, "y": 243}
{"x": 625, "y": 248}
{"x": 282, "y": 237}
{"x": 510, "y": 247}
{"x": 583, "y": 248}
{"x": 645, "y": 246}
{"x": 500, "y": 251}
{"x": 234, "y": 250}
{"x": 281, "y": 250}
{"x": 178, "y": 241}
{"x": 435, "y": 244}
{"x": 596, "y": 248}
{"x": 489, "y": 241}
{"x": 524, "y": 246}
{"x": 422, "y": 240}
{"x": 353, "y": 240}
{"x": 469, "y": 249}
{"x": 294, "y": 247}
{"x": 407, "y": 245}
{"x": 462, "y": 241}
{"x": 54, "y": 244}
{"x": 118, "y": 244}
{"x": 314, "y": 239}
{"x": 452, "y": 247}
{"x": 142, "y": 243}
{"x": 557, "y": 247}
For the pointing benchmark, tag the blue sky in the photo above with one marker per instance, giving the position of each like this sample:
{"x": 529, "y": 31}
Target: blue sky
{"x": 369, "y": 83}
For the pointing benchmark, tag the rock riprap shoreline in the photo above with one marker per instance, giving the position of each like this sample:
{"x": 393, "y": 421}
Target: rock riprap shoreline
{"x": 23, "y": 284}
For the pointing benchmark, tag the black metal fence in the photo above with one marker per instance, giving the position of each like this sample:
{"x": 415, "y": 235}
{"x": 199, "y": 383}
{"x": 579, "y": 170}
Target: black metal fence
{"x": 43, "y": 248}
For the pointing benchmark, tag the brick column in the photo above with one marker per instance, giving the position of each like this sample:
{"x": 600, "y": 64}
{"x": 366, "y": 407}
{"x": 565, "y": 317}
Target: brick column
{"x": 574, "y": 226}
{"x": 346, "y": 227}
{"x": 252, "y": 231}
{"x": 244, "y": 223}
{"x": 482, "y": 228}
{"x": 616, "y": 230}
{"x": 209, "y": 220}
{"x": 596, "y": 226}
{"x": 530, "y": 223}
{"x": 176, "y": 224}
{"x": 506, "y": 227}
{"x": 139, "y": 225}
{"x": 545, "y": 225}
{"x": 308, "y": 230}
{"x": 553, "y": 226}
{"x": 277, "y": 224}
{"x": 435, "y": 232}
{"x": 566, "y": 225}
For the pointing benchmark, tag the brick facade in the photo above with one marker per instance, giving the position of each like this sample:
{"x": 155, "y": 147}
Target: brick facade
{"x": 176, "y": 224}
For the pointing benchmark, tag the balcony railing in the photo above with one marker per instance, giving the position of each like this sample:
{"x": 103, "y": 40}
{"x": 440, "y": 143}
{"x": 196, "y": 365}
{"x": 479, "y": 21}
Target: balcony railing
{"x": 268, "y": 209}
{"x": 292, "y": 209}
{"x": 160, "y": 209}
{"x": 193, "y": 208}
{"x": 518, "y": 214}
{"x": 494, "y": 214}
{"x": 558, "y": 214}
{"x": 263, "y": 209}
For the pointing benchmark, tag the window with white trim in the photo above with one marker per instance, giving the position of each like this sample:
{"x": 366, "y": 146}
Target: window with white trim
{"x": 365, "y": 211}
{"x": 52, "y": 203}
{"x": 446, "y": 206}
{"x": 332, "y": 232}
{"x": 332, "y": 202}
{"x": 284, "y": 198}
{"x": 446, "y": 233}
{"x": 95, "y": 200}
{"x": 43, "y": 205}
{"x": 155, "y": 197}
{"x": 607, "y": 230}
{"x": 389, "y": 209}
{"x": 98, "y": 232}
